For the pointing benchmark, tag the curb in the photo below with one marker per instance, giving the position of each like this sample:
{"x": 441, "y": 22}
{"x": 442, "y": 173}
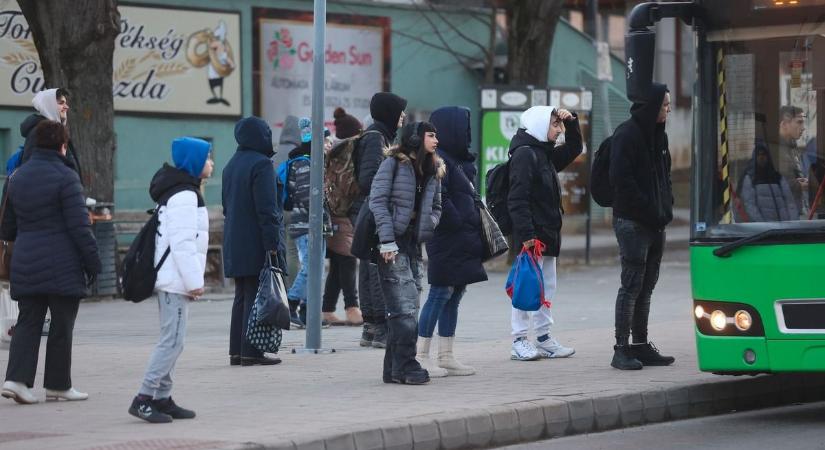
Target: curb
{"x": 550, "y": 418}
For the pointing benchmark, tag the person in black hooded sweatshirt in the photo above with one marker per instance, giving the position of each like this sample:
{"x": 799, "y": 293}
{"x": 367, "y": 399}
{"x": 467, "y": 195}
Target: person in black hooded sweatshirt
{"x": 387, "y": 111}
{"x": 642, "y": 207}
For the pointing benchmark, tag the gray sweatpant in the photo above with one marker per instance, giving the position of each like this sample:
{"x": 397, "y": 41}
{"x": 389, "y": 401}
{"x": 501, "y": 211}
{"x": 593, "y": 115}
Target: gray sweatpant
{"x": 174, "y": 310}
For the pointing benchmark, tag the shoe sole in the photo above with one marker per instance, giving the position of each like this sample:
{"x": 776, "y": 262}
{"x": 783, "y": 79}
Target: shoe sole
{"x": 411, "y": 383}
{"x": 378, "y": 345}
{"x": 554, "y": 356}
{"x": 516, "y": 358}
{"x": 626, "y": 368}
{"x": 55, "y": 398}
{"x": 134, "y": 412}
{"x": 16, "y": 398}
{"x": 364, "y": 343}
{"x": 658, "y": 364}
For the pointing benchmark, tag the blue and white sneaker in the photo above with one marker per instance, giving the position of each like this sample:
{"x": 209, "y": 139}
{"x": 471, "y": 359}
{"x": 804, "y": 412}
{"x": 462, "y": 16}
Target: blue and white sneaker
{"x": 523, "y": 350}
{"x": 552, "y": 349}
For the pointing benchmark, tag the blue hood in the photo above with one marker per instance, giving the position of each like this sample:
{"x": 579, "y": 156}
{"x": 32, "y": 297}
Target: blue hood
{"x": 189, "y": 154}
{"x": 453, "y": 125}
{"x": 253, "y": 133}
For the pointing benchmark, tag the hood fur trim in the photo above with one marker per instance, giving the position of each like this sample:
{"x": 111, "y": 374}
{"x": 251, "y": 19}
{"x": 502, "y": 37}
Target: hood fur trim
{"x": 395, "y": 152}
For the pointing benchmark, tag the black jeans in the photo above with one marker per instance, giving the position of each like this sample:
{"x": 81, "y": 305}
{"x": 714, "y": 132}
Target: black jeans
{"x": 245, "y": 290}
{"x": 25, "y": 343}
{"x": 641, "y": 251}
{"x": 341, "y": 277}
{"x": 401, "y": 283}
{"x": 373, "y": 305}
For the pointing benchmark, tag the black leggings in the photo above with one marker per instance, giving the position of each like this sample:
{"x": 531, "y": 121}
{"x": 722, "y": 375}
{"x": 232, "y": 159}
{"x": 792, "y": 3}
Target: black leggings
{"x": 342, "y": 277}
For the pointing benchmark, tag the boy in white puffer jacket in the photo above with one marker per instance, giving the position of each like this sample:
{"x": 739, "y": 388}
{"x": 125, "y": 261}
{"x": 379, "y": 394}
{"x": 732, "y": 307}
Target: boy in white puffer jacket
{"x": 180, "y": 251}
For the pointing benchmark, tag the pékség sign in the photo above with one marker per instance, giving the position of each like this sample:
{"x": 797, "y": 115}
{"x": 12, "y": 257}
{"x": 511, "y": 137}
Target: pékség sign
{"x": 166, "y": 60}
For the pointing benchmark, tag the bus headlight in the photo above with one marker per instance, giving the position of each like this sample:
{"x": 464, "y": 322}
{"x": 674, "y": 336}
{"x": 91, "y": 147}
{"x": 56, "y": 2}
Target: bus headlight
{"x": 743, "y": 321}
{"x": 718, "y": 320}
{"x": 699, "y": 312}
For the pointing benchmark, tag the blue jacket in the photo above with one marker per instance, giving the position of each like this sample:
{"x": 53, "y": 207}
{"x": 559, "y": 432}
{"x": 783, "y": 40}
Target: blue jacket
{"x": 46, "y": 217}
{"x": 456, "y": 250}
{"x": 253, "y": 215}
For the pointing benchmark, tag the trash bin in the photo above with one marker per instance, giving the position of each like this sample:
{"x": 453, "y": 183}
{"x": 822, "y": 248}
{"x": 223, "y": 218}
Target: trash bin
{"x": 103, "y": 228}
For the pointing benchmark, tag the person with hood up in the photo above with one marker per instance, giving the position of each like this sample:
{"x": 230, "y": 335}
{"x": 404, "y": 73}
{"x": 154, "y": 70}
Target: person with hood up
{"x": 534, "y": 203}
{"x": 180, "y": 254}
{"x": 406, "y": 202}
{"x": 642, "y": 207}
{"x": 289, "y": 140}
{"x": 55, "y": 261}
{"x": 387, "y": 111}
{"x": 297, "y": 173}
{"x": 51, "y": 104}
{"x": 253, "y": 222}
{"x": 343, "y": 267}
{"x": 765, "y": 193}
{"x": 455, "y": 252}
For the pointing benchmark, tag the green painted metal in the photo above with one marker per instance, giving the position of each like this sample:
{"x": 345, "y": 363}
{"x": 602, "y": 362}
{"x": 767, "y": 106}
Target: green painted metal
{"x": 760, "y": 275}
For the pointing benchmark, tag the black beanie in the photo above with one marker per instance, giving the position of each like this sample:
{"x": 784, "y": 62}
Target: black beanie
{"x": 386, "y": 107}
{"x": 346, "y": 125}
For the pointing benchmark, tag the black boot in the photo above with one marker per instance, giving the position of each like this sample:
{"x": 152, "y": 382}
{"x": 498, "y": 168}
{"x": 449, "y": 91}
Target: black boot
{"x": 294, "y": 318}
{"x": 649, "y": 355}
{"x": 623, "y": 358}
{"x": 379, "y": 340}
{"x": 367, "y": 335}
{"x": 387, "y": 375}
{"x": 169, "y": 407}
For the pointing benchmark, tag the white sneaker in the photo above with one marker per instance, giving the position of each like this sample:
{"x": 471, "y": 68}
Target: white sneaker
{"x": 18, "y": 392}
{"x": 523, "y": 350}
{"x": 552, "y": 349}
{"x": 71, "y": 395}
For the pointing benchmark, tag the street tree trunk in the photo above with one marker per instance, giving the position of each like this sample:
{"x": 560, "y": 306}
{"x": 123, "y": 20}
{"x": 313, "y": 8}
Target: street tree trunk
{"x": 531, "y": 25}
{"x": 75, "y": 40}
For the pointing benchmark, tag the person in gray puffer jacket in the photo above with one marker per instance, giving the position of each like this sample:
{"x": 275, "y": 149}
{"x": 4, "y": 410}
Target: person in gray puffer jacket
{"x": 765, "y": 193}
{"x": 405, "y": 199}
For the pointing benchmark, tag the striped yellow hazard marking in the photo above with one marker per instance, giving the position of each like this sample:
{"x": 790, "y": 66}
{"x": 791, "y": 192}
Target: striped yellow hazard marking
{"x": 723, "y": 135}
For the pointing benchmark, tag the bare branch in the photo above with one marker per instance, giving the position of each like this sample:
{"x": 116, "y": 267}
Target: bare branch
{"x": 441, "y": 38}
{"x": 462, "y": 59}
{"x": 458, "y": 31}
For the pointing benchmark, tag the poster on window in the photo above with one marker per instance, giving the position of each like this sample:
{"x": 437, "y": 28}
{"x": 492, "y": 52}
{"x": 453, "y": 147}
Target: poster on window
{"x": 356, "y": 64}
{"x": 166, "y": 60}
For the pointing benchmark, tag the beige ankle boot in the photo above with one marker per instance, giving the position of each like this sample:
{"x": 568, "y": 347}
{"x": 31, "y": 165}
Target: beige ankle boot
{"x": 447, "y": 361}
{"x": 423, "y": 358}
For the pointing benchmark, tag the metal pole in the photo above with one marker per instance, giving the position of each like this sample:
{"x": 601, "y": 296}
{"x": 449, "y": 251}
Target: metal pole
{"x": 316, "y": 189}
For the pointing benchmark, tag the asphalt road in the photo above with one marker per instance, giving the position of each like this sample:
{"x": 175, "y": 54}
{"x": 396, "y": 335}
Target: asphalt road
{"x": 798, "y": 427}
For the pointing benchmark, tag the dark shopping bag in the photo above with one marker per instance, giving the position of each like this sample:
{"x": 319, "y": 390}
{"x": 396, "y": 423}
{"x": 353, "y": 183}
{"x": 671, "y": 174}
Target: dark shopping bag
{"x": 271, "y": 301}
{"x": 525, "y": 283}
{"x": 364, "y": 237}
{"x": 263, "y": 336}
{"x": 494, "y": 242}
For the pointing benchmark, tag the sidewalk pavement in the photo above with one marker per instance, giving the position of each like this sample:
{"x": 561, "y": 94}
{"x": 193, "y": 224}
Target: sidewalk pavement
{"x": 338, "y": 401}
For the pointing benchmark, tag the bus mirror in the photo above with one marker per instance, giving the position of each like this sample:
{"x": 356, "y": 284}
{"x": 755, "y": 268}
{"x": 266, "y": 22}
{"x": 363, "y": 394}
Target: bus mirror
{"x": 640, "y": 48}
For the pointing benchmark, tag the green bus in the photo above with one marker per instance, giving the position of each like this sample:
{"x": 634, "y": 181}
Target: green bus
{"x": 757, "y": 247}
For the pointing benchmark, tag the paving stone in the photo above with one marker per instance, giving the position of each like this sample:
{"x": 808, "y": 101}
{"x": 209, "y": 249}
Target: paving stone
{"x": 505, "y": 425}
{"x": 341, "y": 442}
{"x": 631, "y": 409}
{"x": 279, "y": 445}
{"x": 453, "y": 432}
{"x": 701, "y": 400}
{"x": 315, "y": 444}
{"x": 556, "y": 417}
{"x": 368, "y": 439}
{"x": 425, "y": 435}
{"x": 678, "y": 403}
{"x": 397, "y": 437}
{"x": 607, "y": 413}
{"x": 479, "y": 430}
{"x": 581, "y": 415}
{"x": 655, "y": 406}
{"x": 531, "y": 422}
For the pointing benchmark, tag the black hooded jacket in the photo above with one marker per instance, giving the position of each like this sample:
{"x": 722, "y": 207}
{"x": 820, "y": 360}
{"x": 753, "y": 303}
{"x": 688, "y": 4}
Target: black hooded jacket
{"x": 169, "y": 180}
{"x": 534, "y": 199}
{"x": 640, "y": 165}
{"x": 26, "y": 128}
{"x": 368, "y": 157}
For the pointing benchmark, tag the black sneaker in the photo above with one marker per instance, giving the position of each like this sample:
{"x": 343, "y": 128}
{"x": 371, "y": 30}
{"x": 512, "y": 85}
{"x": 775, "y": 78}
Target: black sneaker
{"x": 144, "y": 408}
{"x": 414, "y": 377}
{"x": 623, "y": 359}
{"x": 169, "y": 407}
{"x": 379, "y": 339}
{"x": 649, "y": 355}
{"x": 367, "y": 335}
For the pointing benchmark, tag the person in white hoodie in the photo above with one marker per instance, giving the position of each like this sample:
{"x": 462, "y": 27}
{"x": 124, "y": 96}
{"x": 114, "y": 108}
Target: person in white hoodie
{"x": 534, "y": 203}
{"x": 51, "y": 104}
{"x": 180, "y": 253}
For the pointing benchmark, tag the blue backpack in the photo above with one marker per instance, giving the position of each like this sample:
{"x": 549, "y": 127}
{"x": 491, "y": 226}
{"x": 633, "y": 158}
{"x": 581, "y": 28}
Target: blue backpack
{"x": 283, "y": 181}
{"x": 14, "y": 161}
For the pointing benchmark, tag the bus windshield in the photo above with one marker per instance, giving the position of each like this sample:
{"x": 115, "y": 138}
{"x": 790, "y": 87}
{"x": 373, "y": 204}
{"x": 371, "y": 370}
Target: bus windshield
{"x": 770, "y": 164}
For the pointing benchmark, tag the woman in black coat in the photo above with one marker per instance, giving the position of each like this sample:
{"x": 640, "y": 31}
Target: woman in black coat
{"x": 456, "y": 250}
{"x": 55, "y": 259}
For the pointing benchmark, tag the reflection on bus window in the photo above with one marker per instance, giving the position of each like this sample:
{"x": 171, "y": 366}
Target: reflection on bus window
{"x": 765, "y": 194}
{"x": 791, "y": 156}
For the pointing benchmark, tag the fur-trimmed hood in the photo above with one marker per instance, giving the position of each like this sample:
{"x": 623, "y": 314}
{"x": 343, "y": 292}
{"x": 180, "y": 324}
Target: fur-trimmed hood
{"x": 394, "y": 151}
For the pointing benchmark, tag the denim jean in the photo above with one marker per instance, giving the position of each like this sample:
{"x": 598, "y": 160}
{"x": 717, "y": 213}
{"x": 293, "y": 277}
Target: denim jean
{"x": 174, "y": 312}
{"x": 441, "y": 307}
{"x": 401, "y": 285}
{"x": 641, "y": 251}
{"x": 298, "y": 290}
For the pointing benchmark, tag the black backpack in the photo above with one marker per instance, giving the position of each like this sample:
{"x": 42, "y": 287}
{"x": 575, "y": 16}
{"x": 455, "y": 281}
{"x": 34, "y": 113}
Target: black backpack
{"x": 498, "y": 187}
{"x": 138, "y": 272}
{"x": 600, "y": 188}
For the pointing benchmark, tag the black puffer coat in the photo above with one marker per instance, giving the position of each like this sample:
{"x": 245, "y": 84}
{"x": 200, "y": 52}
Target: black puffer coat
{"x": 46, "y": 217}
{"x": 456, "y": 249}
{"x": 368, "y": 157}
{"x": 26, "y": 128}
{"x": 534, "y": 200}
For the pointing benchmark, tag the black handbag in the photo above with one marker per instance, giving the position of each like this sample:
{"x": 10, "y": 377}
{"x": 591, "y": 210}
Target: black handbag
{"x": 494, "y": 242}
{"x": 364, "y": 236}
{"x": 271, "y": 299}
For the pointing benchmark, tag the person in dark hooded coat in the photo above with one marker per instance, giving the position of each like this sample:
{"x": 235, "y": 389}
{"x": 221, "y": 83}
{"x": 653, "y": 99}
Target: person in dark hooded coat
{"x": 253, "y": 226}
{"x": 387, "y": 111}
{"x": 765, "y": 193}
{"x": 455, "y": 252}
{"x": 642, "y": 206}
